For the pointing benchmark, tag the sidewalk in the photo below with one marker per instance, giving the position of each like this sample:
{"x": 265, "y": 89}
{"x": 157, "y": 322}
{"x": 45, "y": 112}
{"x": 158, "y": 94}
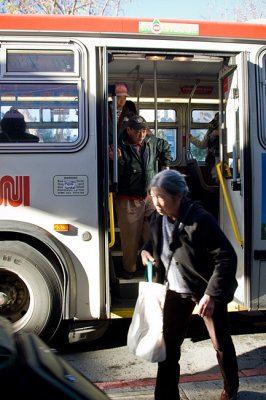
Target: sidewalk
{"x": 200, "y": 375}
{"x": 192, "y": 387}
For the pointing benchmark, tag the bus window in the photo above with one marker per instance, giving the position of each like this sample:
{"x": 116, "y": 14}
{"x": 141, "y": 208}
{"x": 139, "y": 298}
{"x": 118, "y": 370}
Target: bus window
{"x": 166, "y": 126}
{"x": 202, "y": 116}
{"x": 50, "y": 110}
{"x": 200, "y": 120}
{"x": 262, "y": 97}
{"x": 39, "y": 61}
{"x": 196, "y": 152}
{"x": 162, "y": 115}
{"x": 169, "y": 135}
{"x": 166, "y": 116}
{"x": 148, "y": 114}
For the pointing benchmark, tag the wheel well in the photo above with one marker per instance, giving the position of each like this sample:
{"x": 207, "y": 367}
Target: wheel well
{"x": 50, "y": 247}
{"x": 38, "y": 245}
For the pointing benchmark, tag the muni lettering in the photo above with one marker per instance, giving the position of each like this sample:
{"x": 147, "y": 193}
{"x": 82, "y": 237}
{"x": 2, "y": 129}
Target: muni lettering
{"x": 15, "y": 191}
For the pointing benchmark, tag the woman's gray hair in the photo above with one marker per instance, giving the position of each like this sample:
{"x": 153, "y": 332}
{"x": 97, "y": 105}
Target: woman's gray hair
{"x": 173, "y": 182}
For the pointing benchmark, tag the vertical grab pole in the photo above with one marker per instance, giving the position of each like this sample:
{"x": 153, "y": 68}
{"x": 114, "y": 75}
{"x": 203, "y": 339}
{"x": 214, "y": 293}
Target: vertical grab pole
{"x": 155, "y": 98}
{"x": 114, "y": 182}
{"x": 155, "y": 103}
{"x": 115, "y": 167}
{"x": 112, "y": 223}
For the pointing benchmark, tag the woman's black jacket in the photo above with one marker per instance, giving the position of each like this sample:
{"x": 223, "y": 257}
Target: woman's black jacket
{"x": 202, "y": 252}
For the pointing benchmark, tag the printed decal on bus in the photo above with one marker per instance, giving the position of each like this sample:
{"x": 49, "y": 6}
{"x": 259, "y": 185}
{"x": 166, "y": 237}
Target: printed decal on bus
{"x": 15, "y": 191}
{"x": 168, "y": 28}
{"x": 73, "y": 185}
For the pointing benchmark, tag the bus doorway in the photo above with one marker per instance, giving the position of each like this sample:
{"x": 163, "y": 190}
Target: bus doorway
{"x": 179, "y": 97}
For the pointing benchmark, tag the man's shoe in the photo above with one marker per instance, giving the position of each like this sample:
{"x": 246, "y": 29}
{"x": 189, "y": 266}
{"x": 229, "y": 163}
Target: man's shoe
{"x": 227, "y": 396}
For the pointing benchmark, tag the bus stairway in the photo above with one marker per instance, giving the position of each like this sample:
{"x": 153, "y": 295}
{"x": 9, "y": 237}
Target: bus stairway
{"x": 124, "y": 292}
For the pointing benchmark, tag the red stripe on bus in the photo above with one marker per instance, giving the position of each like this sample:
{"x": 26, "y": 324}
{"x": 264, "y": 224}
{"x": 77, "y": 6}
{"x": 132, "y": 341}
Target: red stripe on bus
{"x": 66, "y": 23}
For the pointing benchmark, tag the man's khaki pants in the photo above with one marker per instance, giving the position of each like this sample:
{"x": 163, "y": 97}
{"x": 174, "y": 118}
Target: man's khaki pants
{"x": 132, "y": 217}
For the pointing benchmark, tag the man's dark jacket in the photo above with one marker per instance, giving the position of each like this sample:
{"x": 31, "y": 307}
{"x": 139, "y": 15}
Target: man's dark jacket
{"x": 202, "y": 252}
{"x": 135, "y": 172}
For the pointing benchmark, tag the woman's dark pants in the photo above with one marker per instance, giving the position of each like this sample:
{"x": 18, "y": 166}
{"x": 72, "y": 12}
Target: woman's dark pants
{"x": 177, "y": 315}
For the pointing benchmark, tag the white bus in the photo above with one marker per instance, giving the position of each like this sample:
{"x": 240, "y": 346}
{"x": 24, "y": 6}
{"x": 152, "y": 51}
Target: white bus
{"x": 57, "y": 231}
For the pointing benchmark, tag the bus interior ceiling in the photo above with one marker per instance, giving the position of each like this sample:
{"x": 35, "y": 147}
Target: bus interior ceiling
{"x": 165, "y": 74}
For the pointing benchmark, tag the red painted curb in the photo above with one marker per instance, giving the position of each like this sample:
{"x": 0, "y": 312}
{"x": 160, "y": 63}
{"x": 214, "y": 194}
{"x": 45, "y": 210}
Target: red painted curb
{"x": 183, "y": 379}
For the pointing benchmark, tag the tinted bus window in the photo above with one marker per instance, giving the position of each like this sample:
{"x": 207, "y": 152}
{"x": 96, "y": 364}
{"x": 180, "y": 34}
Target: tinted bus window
{"x": 200, "y": 120}
{"x": 197, "y": 153}
{"x": 169, "y": 135}
{"x": 167, "y": 129}
{"x": 202, "y": 116}
{"x": 39, "y": 61}
{"x": 162, "y": 115}
{"x": 50, "y": 110}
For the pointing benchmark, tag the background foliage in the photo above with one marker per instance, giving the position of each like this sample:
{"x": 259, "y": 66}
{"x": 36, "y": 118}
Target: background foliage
{"x": 67, "y": 7}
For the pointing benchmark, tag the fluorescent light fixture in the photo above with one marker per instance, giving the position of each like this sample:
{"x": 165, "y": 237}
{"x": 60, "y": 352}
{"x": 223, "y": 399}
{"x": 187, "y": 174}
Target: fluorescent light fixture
{"x": 154, "y": 57}
{"x": 174, "y": 100}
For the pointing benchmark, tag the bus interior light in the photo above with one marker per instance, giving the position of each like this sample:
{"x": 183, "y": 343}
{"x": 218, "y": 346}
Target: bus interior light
{"x": 155, "y": 57}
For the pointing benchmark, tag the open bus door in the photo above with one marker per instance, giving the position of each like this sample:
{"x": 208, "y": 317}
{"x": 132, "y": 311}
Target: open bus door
{"x": 108, "y": 173}
{"x": 257, "y": 182}
{"x": 233, "y": 168}
{"x": 103, "y": 172}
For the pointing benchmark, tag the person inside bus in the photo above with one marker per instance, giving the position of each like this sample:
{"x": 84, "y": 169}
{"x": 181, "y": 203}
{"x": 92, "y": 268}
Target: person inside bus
{"x": 125, "y": 109}
{"x": 211, "y": 143}
{"x": 192, "y": 253}
{"x": 13, "y": 128}
{"x": 137, "y": 155}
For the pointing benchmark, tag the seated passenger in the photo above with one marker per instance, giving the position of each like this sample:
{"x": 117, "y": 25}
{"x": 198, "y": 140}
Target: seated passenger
{"x": 13, "y": 128}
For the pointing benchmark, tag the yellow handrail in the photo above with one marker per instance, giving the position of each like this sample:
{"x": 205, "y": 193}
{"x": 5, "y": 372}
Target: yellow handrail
{"x": 111, "y": 219}
{"x": 228, "y": 205}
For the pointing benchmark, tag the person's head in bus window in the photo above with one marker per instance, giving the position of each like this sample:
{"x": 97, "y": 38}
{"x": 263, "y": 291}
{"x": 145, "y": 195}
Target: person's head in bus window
{"x": 214, "y": 124}
{"x": 121, "y": 91}
{"x": 131, "y": 108}
{"x": 13, "y": 128}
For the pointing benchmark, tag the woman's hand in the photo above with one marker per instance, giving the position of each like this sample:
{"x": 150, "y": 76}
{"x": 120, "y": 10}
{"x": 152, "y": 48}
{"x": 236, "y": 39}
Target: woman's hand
{"x": 206, "y": 306}
{"x": 145, "y": 257}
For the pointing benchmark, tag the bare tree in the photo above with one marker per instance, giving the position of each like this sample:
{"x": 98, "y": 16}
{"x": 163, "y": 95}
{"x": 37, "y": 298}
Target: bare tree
{"x": 244, "y": 10}
{"x": 67, "y": 7}
{"x": 250, "y": 10}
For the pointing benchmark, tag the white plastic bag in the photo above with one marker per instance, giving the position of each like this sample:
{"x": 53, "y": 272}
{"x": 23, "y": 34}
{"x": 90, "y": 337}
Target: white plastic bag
{"x": 145, "y": 335}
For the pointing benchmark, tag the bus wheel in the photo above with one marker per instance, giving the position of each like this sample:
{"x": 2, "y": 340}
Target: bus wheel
{"x": 31, "y": 293}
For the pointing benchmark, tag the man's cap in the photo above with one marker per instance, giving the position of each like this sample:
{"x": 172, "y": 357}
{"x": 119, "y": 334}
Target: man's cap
{"x": 137, "y": 123}
{"x": 13, "y": 113}
{"x": 121, "y": 89}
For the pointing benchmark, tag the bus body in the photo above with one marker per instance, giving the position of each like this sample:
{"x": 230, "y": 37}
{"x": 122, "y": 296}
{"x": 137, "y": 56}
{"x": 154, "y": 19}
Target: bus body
{"x": 56, "y": 215}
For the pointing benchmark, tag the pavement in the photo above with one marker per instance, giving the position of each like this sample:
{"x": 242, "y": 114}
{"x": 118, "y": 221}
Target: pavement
{"x": 200, "y": 376}
{"x": 192, "y": 387}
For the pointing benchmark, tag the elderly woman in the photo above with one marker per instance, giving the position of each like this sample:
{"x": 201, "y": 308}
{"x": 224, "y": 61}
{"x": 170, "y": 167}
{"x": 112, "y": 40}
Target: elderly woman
{"x": 198, "y": 263}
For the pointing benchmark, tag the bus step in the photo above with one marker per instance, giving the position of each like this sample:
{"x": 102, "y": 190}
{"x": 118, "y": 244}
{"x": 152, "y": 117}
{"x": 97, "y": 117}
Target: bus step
{"x": 130, "y": 288}
{"x": 116, "y": 253}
